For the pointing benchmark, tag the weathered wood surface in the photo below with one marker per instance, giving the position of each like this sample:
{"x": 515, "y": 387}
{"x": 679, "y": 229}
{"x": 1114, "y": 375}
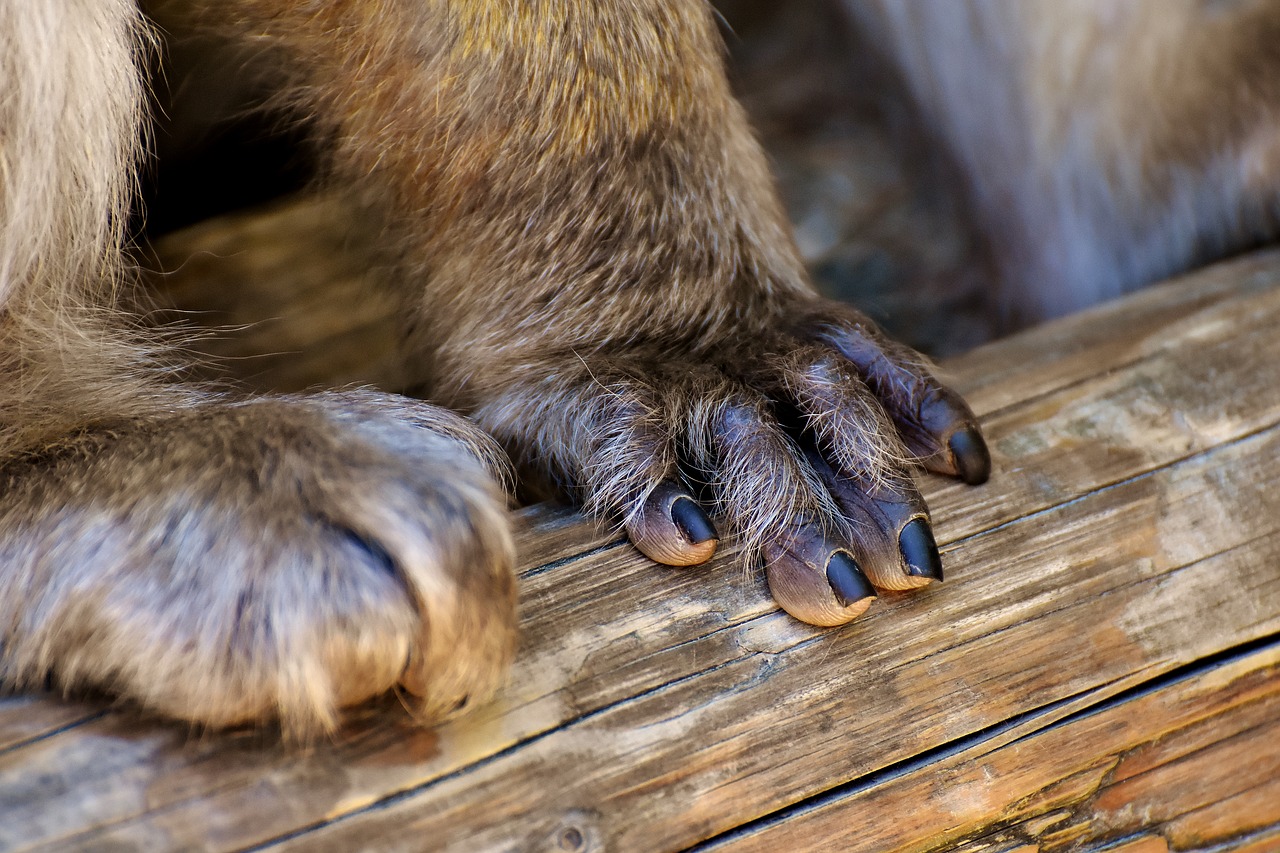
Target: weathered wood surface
{"x": 1101, "y": 667}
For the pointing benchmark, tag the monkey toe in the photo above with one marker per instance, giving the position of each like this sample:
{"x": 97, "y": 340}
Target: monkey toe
{"x": 961, "y": 452}
{"x": 892, "y": 534}
{"x": 671, "y": 528}
{"x": 815, "y": 579}
{"x": 934, "y": 423}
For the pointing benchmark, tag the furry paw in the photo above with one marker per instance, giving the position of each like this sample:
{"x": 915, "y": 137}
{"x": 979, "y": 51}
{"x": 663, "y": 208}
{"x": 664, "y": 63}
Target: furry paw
{"x": 800, "y": 435}
{"x": 274, "y": 559}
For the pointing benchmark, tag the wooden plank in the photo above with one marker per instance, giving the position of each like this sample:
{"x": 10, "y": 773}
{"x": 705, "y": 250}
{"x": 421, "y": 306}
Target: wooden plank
{"x": 655, "y": 708}
{"x": 1192, "y": 763}
{"x": 24, "y": 719}
{"x": 684, "y": 762}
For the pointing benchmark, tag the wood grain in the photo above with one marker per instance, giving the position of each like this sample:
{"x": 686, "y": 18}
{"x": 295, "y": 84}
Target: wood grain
{"x": 1101, "y": 667}
{"x": 1192, "y": 761}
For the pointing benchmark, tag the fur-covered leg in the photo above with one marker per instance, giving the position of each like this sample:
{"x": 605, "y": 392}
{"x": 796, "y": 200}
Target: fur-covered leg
{"x": 275, "y": 559}
{"x": 597, "y": 268}
{"x": 217, "y": 561}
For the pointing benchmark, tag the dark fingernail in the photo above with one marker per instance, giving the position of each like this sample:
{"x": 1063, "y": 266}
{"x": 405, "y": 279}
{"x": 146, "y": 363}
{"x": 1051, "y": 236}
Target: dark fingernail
{"x": 692, "y": 521}
{"x": 970, "y": 455}
{"x": 919, "y": 551}
{"x": 847, "y": 580}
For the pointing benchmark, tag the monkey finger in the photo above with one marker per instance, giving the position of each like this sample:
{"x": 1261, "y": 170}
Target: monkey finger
{"x": 774, "y": 501}
{"x": 863, "y": 468}
{"x": 893, "y": 538}
{"x": 835, "y": 409}
{"x": 671, "y": 528}
{"x": 935, "y": 422}
{"x": 949, "y": 440}
{"x": 601, "y": 431}
{"x": 814, "y": 579}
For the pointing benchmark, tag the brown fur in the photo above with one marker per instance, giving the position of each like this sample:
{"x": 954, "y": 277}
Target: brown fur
{"x": 592, "y": 264}
{"x": 1102, "y": 145}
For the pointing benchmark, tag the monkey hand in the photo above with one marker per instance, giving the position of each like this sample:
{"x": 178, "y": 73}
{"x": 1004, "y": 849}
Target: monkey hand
{"x": 797, "y": 433}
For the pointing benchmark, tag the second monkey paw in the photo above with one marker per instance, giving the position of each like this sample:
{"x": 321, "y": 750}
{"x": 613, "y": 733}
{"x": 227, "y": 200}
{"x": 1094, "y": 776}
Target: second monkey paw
{"x": 797, "y": 437}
